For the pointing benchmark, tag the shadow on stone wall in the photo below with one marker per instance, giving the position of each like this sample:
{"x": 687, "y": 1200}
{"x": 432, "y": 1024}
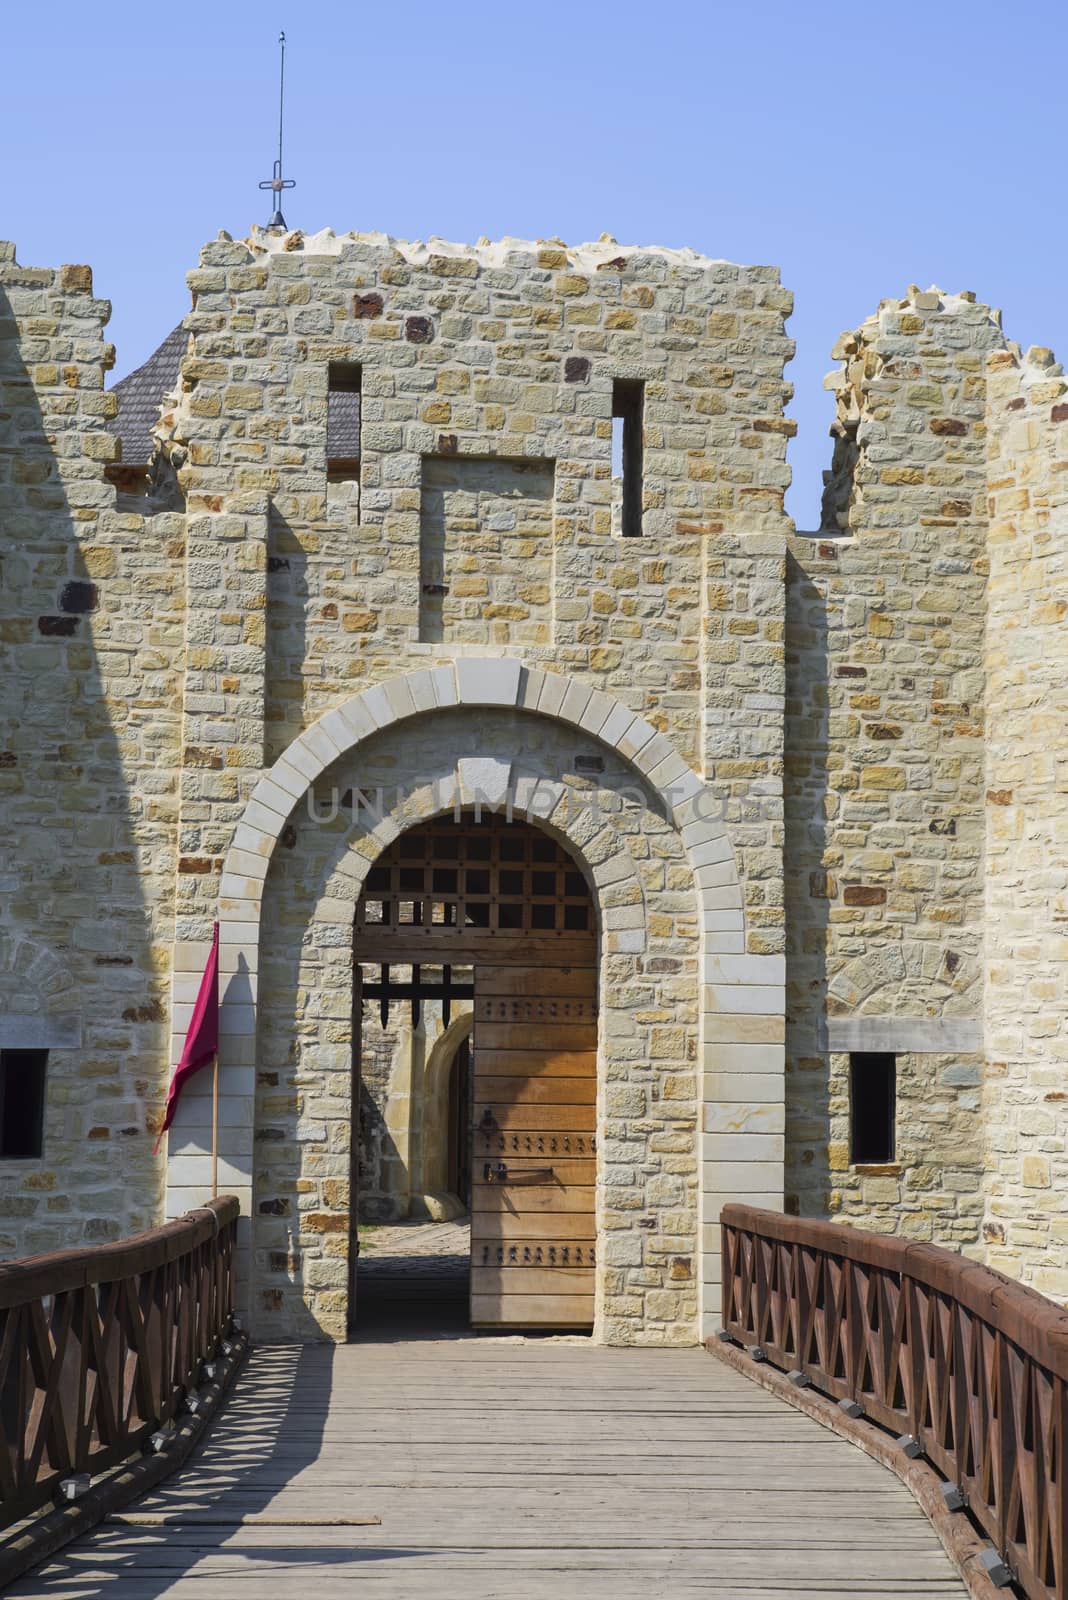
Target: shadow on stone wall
{"x": 287, "y": 635}
{"x": 808, "y": 890}
{"x": 87, "y": 699}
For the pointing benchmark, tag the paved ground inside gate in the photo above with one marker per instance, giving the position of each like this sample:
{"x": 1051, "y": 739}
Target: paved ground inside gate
{"x": 416, "y": 1249}
{"x": 482, "y": 1468}
{"x": 413, "y": 1274}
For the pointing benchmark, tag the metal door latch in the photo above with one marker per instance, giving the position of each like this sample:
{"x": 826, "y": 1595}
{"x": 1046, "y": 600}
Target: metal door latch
{"x": 498, "y": 1173}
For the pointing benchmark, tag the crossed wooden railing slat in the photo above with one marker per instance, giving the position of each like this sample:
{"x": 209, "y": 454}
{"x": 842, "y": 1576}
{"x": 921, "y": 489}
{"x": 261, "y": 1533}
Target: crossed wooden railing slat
{"x": 99, "y": 1347}
{"x": 971, "y": 1364}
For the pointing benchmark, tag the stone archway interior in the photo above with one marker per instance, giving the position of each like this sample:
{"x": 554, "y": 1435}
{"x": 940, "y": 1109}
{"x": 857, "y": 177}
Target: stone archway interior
{"x": 495, "y": 916}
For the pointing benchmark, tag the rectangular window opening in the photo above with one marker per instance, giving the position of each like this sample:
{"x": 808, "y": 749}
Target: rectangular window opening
{"x": 22, "y": 1084}
{"x": 628, "y": 405}
{"x": 872, "y": 1107}
{"x": 343, "y": 404}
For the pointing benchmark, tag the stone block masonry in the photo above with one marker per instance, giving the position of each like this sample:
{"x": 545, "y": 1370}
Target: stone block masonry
{"x": 483, "y": 523}
{"x": 1026, "y": 777}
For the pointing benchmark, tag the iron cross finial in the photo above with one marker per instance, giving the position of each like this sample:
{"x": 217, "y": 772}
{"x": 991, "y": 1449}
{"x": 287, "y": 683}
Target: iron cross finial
{"x": 277, "y": 183}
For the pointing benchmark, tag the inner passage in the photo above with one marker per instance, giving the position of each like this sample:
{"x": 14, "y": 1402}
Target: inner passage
{"x": 458, "y": 923}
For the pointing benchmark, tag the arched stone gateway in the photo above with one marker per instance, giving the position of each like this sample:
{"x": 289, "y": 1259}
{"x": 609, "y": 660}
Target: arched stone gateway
{"x": 679, "y": 996}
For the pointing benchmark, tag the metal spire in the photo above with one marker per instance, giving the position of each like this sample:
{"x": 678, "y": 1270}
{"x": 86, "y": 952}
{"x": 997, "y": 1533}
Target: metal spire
{"x": 276, "y": 184}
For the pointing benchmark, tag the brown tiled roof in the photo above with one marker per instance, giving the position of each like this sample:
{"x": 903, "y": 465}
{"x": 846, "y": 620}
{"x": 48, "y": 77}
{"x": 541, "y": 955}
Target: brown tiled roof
{"x": 140, "y": 395}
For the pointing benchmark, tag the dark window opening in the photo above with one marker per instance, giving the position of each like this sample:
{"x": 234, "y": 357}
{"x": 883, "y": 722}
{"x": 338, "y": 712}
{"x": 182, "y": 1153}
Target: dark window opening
{"x": 343, "y": 405}
{"x": 628, "y": 404}
{"x": 22, "y": 1081}
{"x": 872, "y": 1107}
{"x": 129, "y": 479}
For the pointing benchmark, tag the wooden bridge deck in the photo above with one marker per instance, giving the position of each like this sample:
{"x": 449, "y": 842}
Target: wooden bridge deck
{"x": 508, "y": 1469}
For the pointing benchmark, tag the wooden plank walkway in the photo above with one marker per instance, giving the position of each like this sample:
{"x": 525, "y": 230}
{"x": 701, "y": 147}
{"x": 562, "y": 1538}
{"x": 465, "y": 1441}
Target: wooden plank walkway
{"x": 509, "y": 1469}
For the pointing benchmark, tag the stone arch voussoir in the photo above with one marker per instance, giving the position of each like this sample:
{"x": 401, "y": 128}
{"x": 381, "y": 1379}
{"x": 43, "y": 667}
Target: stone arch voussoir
{"x": 475, "y": 682}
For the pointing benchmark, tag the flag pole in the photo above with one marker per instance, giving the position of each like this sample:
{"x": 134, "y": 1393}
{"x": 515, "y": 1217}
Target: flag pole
{"x": 215, "y": 1126}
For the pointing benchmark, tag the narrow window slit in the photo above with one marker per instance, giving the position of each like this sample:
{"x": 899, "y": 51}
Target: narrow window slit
{"x": 628, "y": 405}
{"x": 22, "y": 1086}
{"x": 344, "y": 384}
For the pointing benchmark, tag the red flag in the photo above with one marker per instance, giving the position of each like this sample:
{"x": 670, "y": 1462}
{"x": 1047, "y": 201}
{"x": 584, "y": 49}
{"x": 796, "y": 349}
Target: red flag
{"x": 202, "y": 1039}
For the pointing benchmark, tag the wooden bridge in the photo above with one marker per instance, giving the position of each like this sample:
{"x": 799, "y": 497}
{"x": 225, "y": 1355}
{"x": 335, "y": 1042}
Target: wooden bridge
{"x": 542, "y": 1468}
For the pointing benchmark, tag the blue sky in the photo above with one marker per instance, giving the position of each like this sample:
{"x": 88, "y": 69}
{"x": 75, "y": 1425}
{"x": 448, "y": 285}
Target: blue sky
{"x": 860, "y": 148}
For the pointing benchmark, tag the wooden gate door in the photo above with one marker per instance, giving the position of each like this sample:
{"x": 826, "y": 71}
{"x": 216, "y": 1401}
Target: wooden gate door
{"x": 533, "y": 1217}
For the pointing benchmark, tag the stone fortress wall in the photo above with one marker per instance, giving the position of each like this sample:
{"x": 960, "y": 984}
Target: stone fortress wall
{"x": 92, "y": 605}
{"x": 157, "y": 662}
{"x": 885, "y": 779}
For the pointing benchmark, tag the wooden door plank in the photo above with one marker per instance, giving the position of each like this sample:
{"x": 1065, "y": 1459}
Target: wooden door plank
{"x": 550, "y": 1171}
{"x": 506, "y": 1226}
{"x": 530, "y": 1119}
{"x": 533, "y": 1091}
{"x": 492, "y": 1198}
{"x": 532, "y": 1310}
{"x": 545, "y": 1035}
{"x": 575, "y": 980}
{"x": 535, "y": 1063}
{"x": 555, "y": 1281}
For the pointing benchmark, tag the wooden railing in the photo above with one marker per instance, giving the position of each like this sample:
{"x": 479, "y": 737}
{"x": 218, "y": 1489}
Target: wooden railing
{"x": 970, "y": 1364}
{"x": 99, "y": 1347}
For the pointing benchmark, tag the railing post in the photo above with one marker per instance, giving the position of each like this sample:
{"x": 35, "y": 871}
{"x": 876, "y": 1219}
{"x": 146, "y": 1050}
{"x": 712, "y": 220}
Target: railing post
{"x": 915, "y": 1369}
{"x": 806, "y": 1309}
{"x": 1058, "y": 1490}
{"x": 958, "y": 1396}
{"x": 1002, "y": 1447}
{"x": 854, "y": 1333}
